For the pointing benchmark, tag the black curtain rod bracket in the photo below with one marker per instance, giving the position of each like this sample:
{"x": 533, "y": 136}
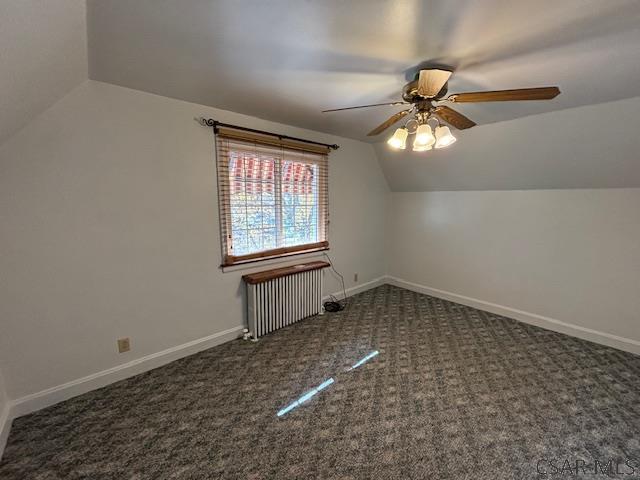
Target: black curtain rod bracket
{"x": 209, "y": 122}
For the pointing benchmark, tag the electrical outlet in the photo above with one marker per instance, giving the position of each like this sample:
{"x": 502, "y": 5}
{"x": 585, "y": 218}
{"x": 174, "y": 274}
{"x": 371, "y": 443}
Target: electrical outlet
{"x": 124, "y": 345}
{"x": 355, "y": 277}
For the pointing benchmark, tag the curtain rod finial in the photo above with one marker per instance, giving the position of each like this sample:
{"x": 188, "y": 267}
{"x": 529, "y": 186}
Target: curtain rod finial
{"x": 206, "y": 122}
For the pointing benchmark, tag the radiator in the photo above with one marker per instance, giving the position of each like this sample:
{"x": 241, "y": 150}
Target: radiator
{"x": 280, "y": 297}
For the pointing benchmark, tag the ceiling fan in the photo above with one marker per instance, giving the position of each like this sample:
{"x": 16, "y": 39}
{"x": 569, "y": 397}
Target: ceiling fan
{"x": 424, "y": 94}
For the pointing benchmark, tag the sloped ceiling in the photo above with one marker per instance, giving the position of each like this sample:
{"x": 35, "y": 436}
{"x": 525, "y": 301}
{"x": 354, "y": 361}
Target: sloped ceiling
{"x": 286, "y": 60}
{"x": 43, "y": 54}
{"x": 594, "y": 146}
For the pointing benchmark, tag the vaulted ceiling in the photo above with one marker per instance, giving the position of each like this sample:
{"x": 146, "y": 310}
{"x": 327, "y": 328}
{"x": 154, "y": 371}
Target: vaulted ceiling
{"x": 286, "y": 60}
{"x": 43, "y": 56}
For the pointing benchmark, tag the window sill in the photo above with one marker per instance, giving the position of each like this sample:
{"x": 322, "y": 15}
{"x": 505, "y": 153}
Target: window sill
{"x": 253, "y": 264}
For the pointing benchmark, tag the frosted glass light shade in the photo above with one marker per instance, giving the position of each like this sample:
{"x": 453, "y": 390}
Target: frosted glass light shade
{"x": 418, "y": 147}
{"x": 424, "y": 136}
{"x": 399, "y": 139}
{"x": 444, "y": 138}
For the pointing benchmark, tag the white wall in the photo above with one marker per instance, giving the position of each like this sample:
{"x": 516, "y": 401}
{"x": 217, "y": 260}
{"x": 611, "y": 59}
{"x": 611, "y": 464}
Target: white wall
{"x": 110, "y": 228}
{"x": 569, "y": 255}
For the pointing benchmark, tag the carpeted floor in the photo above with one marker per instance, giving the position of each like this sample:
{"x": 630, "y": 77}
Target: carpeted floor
{"x": 454, "y": 393}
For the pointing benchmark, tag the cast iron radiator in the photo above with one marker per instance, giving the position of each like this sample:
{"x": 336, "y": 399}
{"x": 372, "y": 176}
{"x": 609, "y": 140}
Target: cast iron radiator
{"x": 277, "y": 298}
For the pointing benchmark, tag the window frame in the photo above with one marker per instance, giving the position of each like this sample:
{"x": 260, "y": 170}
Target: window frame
{"x": 279, "y": 149}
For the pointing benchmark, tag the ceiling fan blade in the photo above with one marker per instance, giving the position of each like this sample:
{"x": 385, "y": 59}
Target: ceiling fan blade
{"x": 365, "y": 106}
{"x": 542, "y": 93}
{"x": 430, "y": 82}
{"x": 454, "y": 118}
{"x": 390, "y": 121}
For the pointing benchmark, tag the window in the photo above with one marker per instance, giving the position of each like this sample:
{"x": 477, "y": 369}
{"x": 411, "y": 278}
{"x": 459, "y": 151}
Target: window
{"x": 273, "y": 197}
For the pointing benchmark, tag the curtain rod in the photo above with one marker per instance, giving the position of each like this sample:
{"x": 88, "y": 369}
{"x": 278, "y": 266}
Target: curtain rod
{"x": 209, "y": 122}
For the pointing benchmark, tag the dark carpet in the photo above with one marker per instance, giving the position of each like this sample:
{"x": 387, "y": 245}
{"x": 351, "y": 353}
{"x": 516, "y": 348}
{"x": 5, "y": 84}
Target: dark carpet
{"x": 454, "y": 393}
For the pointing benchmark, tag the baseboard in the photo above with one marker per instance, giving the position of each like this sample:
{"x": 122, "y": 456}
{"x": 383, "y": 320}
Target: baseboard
{"x": 376, "y": 282}
{"x": 603, "y": 338}
{"x": 50, "y": 396}
{"x": 5, "y": 426}
{"x": 36, "y": 401}
{"x": 45, "y": 398}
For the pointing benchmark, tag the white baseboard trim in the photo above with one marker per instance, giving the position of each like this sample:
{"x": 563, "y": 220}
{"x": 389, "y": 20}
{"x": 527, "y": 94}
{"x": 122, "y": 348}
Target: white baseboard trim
{"x": 608, "y": 339}
{"x": 376, "y": 282}
{"x": 5, "y": 426}
{"x": 36, "y": 401}
{"x": 50, "y": 396}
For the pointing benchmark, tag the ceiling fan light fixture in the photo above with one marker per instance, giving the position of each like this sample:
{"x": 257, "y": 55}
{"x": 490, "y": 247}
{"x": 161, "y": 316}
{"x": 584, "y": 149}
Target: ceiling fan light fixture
{"x": 399, "y": 139}
{"x": 424, "y": 136}
{"x": 444, "y": 137}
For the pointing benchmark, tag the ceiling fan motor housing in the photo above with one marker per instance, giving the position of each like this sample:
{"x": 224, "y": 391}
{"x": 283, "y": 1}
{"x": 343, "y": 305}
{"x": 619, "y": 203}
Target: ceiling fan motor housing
{"x": 410, "y": 92}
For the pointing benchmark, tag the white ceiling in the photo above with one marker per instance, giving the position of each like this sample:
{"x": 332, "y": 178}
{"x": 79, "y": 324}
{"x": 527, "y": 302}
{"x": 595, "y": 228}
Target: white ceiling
{"x": 285, "y": 60}
{"x": 43, "y": 55}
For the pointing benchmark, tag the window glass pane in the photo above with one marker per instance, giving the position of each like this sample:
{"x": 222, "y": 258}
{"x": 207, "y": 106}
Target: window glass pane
{"x": 254, "y": 240}
{"x": 269, "y": 238}
{"x": 300, "y": 199}
{"x": 273, "y": 201}
{"x": 239, "y": 245}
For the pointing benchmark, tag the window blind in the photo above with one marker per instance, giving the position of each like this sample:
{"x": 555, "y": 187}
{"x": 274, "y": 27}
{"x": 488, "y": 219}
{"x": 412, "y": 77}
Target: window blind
{"x": 272, "y": 196}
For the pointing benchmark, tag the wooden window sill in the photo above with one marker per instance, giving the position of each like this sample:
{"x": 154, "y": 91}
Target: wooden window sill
{"x": 230, "y": 261}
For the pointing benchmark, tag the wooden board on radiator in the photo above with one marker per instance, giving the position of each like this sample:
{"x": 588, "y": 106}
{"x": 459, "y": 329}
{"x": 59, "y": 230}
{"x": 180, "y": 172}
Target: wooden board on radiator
{"x": 266, "y": 275}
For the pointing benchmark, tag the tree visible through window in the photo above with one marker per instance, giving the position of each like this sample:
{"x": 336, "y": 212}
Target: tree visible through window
{"x": 273, "y": 199}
